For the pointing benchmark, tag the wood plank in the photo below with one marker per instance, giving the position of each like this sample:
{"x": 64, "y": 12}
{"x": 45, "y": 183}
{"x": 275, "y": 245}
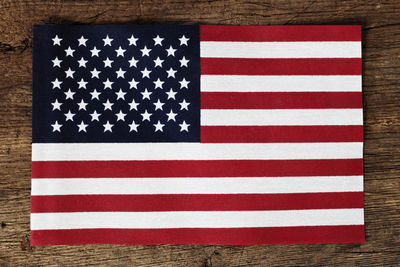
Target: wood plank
{"x": 381, "y": 37}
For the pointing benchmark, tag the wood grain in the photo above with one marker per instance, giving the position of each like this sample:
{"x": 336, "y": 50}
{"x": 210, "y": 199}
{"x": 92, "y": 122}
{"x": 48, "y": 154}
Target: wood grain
{"x": 380, "y": 21}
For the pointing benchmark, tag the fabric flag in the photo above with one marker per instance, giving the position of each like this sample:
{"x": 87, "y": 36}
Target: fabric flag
{"x": 166, "y": 134}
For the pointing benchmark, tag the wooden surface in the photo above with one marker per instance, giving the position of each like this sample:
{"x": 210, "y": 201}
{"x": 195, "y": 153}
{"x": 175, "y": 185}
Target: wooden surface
{"x": 380, "y": 21}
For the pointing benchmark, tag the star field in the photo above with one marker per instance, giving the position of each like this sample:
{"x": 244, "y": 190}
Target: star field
{"x": 139, "y": 84}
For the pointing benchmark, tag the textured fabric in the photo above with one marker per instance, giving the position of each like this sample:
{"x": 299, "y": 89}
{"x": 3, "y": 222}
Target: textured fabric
{"x": 165, "y": 134}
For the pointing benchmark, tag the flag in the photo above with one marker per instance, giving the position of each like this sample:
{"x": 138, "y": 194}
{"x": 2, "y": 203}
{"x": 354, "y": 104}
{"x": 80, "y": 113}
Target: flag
{"x": 166, "y": 134}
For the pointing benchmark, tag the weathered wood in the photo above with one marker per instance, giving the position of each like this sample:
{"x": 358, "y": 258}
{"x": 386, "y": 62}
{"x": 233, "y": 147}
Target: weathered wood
{"x": 381, "y": 67}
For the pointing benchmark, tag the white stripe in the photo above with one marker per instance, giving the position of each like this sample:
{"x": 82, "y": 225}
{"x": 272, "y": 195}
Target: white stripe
{"x": 280, "y": 49}
{"x": 194, "y": 151}
{"x": 252, "y": 117}
{"x": 196, "y": 219}
{"x": 281, "y": 83}
{"x": 239, "y": 185}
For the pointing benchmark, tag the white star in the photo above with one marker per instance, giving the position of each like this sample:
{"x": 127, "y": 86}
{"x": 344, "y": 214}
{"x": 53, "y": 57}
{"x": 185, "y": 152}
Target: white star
{"x": 184, "y": 126}
{"x": 133, "y": 105}
{"x": 145, "y": 73}
{"x": 56, "y": 40}
{"x": 120, "y": 94}
{"x": 56, "y": 105}
{"x": 158, "y": 40}
{"x": 133, "y": 62}
{"x": 108, "y": 126}
{"x": 120, "y": 73}
{"x": 69, "y": 73}
{"x": 69, "y": 51}
{"x": 184, "y": 62}
{"x": 132, "y": 40}
{"x": 56, "y": 62}
{"x": 171, "y": 72}
{"x": 107, "y": 62}
{"x": 95, "y": 52}
{"x": 69, "y": 116}
{"x": 82, "y": 84}
{"x": 56, "y": 83}
{"x": 133, "y": 126}
{"x": 146, "y": 115}
{"x": 108, "y": 105}
{"x": 69, "y": 94}
{"x": 95, "y": 116}
{"x": 120, "y": 52}
{"x": 170, "y": 51}
{"x": 120, "y": 116}
{"x": 184, "y": 40}
{"x": 82, "y": 105}
{"x": 184, "y": 104}
{"x": 184, "y": 83}
{"x": 95, "y": 73}
{"x": 108, "y": 84}
{"x": 82, "y": 62}
{"x": 171, "y": 94}
{"x": 95, "y": 94}
{"x": 159, "y": 126}
{"x": 107, "y": 41}
{"x": 146, "y": 94}
{"x": 158, "y": 105}
{"x": 82, "y": 127}
{"x": 56, "y": 127}
{"x": 145, "y": 51}
{"x": 158, "y": 62}
{"x": 82, "y": 41}
{"x": 171, "y": 115}
{"x": 133, "y": 83}
{"x": 158, "y": 84}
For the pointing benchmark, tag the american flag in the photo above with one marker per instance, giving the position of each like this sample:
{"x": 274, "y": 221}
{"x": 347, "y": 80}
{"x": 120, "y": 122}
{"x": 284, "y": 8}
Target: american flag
{"x": 166, "y": 134}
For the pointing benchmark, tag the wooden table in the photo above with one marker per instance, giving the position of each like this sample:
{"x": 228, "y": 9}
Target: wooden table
{"x": 380, "y": 21}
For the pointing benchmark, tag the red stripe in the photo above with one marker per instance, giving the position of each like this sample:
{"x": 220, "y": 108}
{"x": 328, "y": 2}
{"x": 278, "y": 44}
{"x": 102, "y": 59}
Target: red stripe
{"x": 281, "y": 134}
{"x": 280, "y": 100}
{"x": 223, "y": 236}
{"x": 280, "y": 66}
{"x": 196, "y": 168}
{"x": 280, "y": 33}
{"x": 196, "y": 202}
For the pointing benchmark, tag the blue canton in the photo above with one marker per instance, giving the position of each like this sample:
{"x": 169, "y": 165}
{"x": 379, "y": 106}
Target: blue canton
{"x": 137, "y": 83}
